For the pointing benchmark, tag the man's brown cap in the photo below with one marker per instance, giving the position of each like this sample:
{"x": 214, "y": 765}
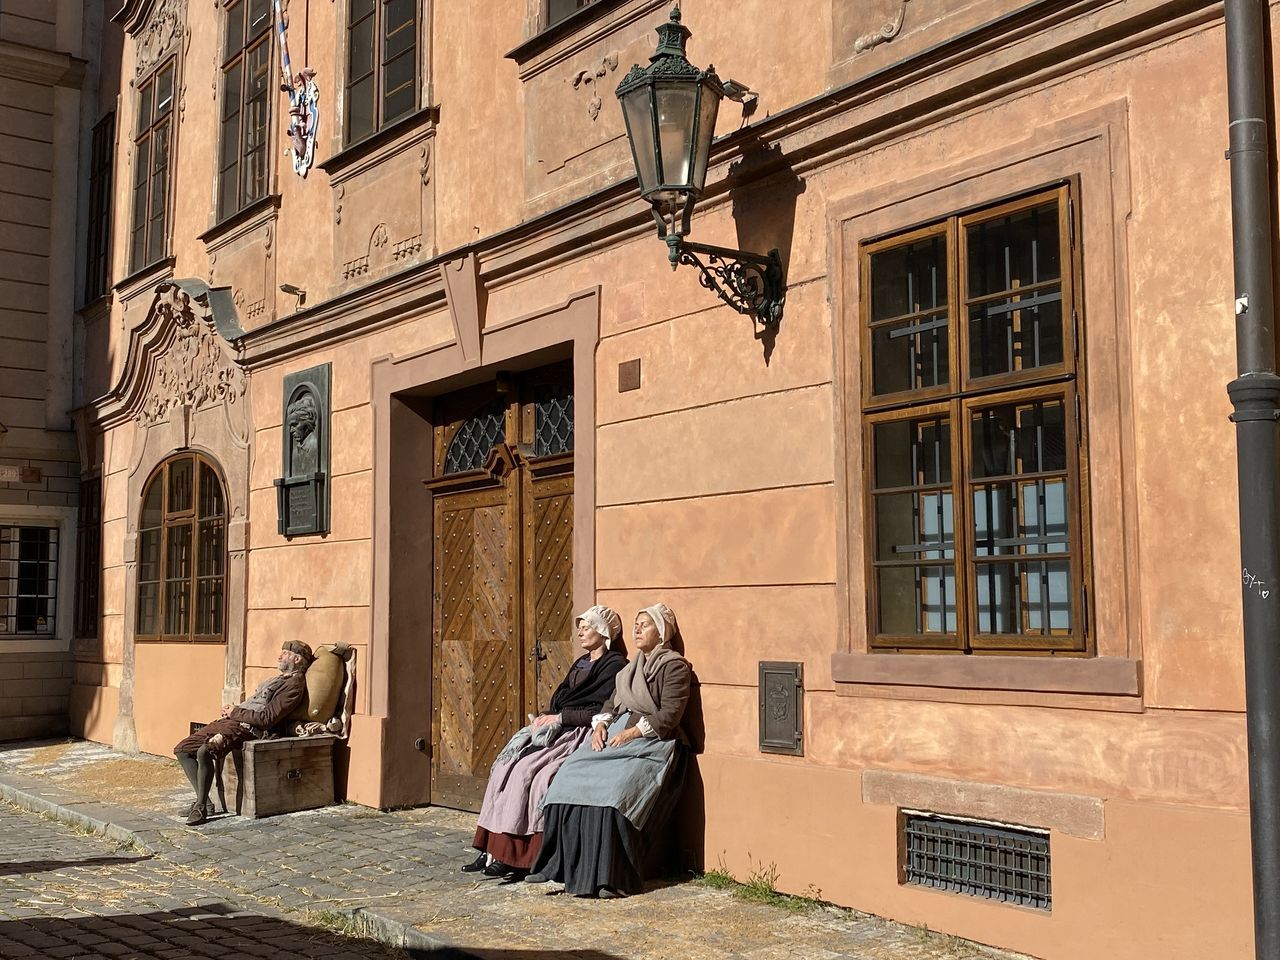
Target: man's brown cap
{"x": 300, "y": 648}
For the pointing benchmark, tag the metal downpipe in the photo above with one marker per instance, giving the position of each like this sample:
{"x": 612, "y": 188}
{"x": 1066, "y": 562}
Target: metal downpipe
{"x": 1255, "y": 397}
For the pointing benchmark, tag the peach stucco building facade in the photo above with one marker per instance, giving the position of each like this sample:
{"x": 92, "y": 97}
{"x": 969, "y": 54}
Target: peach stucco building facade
{"x": 477, "y": 244}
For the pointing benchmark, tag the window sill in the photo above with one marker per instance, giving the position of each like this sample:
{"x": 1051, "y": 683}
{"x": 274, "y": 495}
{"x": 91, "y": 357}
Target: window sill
{"x": 146, "y": 278}
{"x": 376, "y": 147}
{"x": 561, "y": 29}
{"x": 1090, "y": 676}
{"x": 242, "y": 221}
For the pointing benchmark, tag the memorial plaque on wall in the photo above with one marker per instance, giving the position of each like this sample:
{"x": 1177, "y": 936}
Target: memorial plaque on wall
{"x": 302, "y": 493}
{"x": 782, "y": 708}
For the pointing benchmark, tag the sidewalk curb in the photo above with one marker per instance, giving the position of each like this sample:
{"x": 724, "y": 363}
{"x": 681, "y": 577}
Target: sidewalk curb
{"x": 384, "y": 929}
{"x": 34, "y": 803}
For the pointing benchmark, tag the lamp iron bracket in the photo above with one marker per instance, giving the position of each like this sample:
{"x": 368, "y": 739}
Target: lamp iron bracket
{"x": 750, "y": 283}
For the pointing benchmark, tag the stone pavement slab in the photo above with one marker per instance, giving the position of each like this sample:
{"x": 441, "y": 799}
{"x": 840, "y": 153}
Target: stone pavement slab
{"x": 397, "y": 874}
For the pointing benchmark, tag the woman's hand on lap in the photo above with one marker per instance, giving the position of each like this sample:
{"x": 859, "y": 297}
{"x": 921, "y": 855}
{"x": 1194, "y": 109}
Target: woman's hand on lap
{"x": 625, "y": 737}
{"x": 598, "y": 734}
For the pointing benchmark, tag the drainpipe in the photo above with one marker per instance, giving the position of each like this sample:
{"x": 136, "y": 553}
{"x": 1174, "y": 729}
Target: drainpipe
{"x": 1255, "y": 397}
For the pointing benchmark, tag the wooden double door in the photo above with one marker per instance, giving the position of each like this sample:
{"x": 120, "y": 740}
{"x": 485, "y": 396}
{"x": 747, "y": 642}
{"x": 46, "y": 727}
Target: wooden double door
{"x": 502, "y": 639}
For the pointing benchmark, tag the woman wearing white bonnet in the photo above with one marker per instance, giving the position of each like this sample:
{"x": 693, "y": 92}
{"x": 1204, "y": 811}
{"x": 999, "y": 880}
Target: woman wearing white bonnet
{"x": 509, "y": 831}
{"x": 608, "y": 811}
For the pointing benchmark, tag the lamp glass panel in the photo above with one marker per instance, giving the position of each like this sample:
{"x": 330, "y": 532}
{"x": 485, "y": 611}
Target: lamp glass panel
{"x": 639, "y": 117}
{"x": 708, "y": 108}
{"x": 676, "y": 104}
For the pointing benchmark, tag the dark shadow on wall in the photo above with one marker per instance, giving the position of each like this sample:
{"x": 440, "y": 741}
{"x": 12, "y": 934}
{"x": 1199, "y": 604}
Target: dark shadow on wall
{"x": 765, "y": 193}
{"x": 691, "y": 812}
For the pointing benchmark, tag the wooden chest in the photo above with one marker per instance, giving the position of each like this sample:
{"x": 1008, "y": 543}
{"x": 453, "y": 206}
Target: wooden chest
{"x": 284, "y": 775}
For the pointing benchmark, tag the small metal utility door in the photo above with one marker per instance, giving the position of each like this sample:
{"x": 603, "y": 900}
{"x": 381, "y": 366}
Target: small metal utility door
{"x": 503, "y": 562}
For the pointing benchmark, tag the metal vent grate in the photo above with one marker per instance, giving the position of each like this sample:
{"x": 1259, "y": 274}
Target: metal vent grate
{"x": 982, "y": 860}
{"x": 474, "y": 439}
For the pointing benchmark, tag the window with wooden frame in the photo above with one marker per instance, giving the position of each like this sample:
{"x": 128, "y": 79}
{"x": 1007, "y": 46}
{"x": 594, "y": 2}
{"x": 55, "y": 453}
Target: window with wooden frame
{"x": 97, "y": 275}
{"x": 244, "y": 166}
{"x": 182, "y": 553}
{"x": 382, "y": 64}
{"x": 557, "y": 10}
{"x": 89, "y": 558}
{"x": 152, "y": 148}
{"x": 975, "y": 458}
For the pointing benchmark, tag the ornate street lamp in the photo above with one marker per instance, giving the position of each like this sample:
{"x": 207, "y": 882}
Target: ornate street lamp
{"x": 670, "y": 110}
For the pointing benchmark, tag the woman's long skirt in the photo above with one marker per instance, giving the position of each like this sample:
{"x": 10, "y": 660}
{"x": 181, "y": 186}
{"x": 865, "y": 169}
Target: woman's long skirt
{"x": 510, "y": 823}
{"x": 588, "y": 848}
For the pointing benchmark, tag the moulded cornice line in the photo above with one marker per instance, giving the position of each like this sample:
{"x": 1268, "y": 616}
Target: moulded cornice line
{"x": 132, "y": 13}
{"x": 806, "y": 135}
{"x": 364, "y": 310}
{"x": 20, "y": 62}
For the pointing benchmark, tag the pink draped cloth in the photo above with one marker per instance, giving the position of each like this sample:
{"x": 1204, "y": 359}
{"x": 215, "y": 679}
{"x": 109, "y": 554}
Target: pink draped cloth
{"x": 513, "y": 799}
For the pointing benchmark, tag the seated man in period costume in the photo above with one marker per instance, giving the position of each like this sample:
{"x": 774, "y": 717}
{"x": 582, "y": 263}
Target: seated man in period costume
{"x": 269, "y": 707}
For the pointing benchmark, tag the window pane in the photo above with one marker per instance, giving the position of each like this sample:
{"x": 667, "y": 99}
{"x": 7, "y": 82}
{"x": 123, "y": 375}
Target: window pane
{"x": 146, "y": 101}
{"x": 164, "y": 91}
{"x": 1026, "y": 517}
{"x": 911, "y": 355}
{"x": 912, "y": 453}
{"x": 398, "y": 26}
{"x": 360, "y": 109}
{"x": 151, "y": 513}
{"x": 1015, "y": 269}
{"x": 159, "y": 193}
{"x": 1014, "y": 251}
{"x": 916, "y": 600}
{"x": 398, "y": 81}
{"x": 177, "y": 579}
{"x": 909, "y": 283}
{"x": 211, "y": 504}
{"x": 148, "y": 609}
{"x": 235, "y": 30}
{"x": 1024, "y": 597}
{"x": 148, "y": 555}
{"x": 909, "y": 279}
{"x": 209, "y": 607}
{"x": 915, "y": 526}
{"x": 180, "y": 482}
{"x": 1017, "y": 438}
{"x": 259, "y": 17}
{"x": 360, "y": 50}
{"x": 359, "y": 9}
{"x": 141, "y": 177}
{"x": 213, "y": 548}
{"x": 1016, "y": 333}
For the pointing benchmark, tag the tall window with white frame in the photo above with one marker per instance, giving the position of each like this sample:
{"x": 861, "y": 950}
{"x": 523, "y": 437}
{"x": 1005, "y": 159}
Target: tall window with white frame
{"x": 975, "y": 458}
{"x": 28, "y": 580}
{"x": 152, "y": 148}
{"x": 382, "y": 64}
{"x": 244, "y": 167}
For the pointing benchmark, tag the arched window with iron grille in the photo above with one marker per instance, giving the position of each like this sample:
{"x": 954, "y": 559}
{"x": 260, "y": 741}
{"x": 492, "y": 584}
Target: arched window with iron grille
{"x": 182, "y": 553}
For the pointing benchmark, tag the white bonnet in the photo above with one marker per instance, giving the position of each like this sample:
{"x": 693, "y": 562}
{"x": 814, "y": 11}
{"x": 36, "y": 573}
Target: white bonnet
{"x": 603, "y": 621}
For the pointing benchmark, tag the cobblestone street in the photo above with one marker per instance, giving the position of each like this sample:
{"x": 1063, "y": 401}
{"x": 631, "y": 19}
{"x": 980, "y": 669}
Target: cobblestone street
{"x": 238, "y": 887}
{"x": 65, "y": 894}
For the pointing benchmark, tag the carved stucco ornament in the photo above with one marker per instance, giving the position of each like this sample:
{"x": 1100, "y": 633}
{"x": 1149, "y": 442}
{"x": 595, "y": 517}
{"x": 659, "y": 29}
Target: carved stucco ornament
{"x": 589, "y": 79}
{"x": 160, "y": 34}
{"x": 195, "y": 367}
{"x": 890, "y": 29}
